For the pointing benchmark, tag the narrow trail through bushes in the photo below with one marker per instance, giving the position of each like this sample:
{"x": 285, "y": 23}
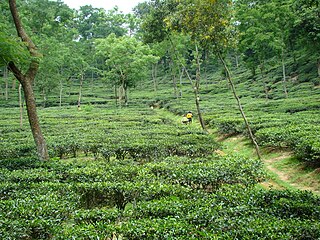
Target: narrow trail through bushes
{"x": 285, "y": 171}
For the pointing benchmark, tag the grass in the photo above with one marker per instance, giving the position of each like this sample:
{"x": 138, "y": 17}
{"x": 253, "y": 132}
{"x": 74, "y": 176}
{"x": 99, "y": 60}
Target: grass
{"x": 284, "y": 170}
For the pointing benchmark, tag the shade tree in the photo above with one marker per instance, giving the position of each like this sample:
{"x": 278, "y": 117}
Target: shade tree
{"x": 266, "y": 32}
{"x": 210, "y": 24}
{"x": 98, "y": 23}
{"x": 307, "y": 27}
{"x": 128, "y": 61}
{"x": 26, "y": 78}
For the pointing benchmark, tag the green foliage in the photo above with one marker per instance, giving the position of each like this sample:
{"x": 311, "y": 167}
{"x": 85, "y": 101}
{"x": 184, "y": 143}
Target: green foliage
{"x": 127, "y": 59}
{"x": 165, "y": 182}
{"x": 303, "y": 139}
{"x": 99, "y": 23}
{"x": 307, "y": 24}
{"x": 138, "y": 173}
{"x": 11, "y": 49}
{"x": 102, "y": 137}
{"x": 208, "y": 22}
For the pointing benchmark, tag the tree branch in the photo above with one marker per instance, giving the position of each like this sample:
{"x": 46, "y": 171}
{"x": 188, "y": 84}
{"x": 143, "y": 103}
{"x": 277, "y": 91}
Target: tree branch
{"x": 21, "y": 32}
{"x": 16, "y": 72}
{"x": 34, "y": 65}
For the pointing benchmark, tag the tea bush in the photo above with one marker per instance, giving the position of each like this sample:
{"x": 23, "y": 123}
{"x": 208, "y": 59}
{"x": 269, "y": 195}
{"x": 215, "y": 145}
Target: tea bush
{"x": 139, "y": 173}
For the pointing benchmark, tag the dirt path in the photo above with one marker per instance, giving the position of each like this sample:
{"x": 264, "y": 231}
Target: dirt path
{"x": 293, "y": 176}
{"x": 285, "y": 171}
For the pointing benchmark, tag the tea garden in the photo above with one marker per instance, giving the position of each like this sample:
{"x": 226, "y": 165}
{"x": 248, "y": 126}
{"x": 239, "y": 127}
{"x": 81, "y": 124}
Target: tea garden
{"x": 138, "y": 173}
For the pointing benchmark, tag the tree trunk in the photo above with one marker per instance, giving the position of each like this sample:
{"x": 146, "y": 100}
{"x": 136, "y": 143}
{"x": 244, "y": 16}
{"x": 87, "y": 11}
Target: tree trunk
{"x": 80, "y": 91}
{"x": 121, "y": 93}
{"x": 20, "y": 106}
{"x": 60, "y": 94}
{"x": 196, "y": 90}
{"x": 266, "y": 91}
{"x": 319, "y": 67}
{"x": 174, "y": 81}
{"x": 5, "y": 76}
{"x": 180, "y": 82}
{"x": 240, "y": 106}
{"x": 14, "y": 84}
{"x": 26, "y": 81}
{"x": 154, "y": 76}
{"x": 237, "y": 61}
{"x": 284, "y": 75}
{"x": 125, "y": 95}
{"x": 34, "y": 121}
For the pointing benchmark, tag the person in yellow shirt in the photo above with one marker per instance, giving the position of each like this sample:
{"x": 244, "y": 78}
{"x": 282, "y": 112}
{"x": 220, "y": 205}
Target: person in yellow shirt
{"x": 189, "y": 116}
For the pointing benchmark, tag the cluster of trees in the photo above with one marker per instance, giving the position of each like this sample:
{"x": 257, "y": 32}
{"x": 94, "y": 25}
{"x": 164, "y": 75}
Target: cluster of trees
{"x": 180, "y": 38}
{"x": 271, "y": 32}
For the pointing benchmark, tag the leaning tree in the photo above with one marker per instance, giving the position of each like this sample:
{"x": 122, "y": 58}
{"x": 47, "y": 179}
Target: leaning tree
{"x": 26, "y": 79}
{"x": 209, "y": 23}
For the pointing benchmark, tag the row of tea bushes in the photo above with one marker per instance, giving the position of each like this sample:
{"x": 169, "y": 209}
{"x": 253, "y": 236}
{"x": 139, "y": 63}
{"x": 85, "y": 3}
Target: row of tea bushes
{"x": 77, "y": 199}
{"x": 280, "y": 122}
{"x": 103, "y": 133}
{"x": 303, "y": 138}
{"x": 162, "y": 181}
{"x": 112, "y": 145}
{"x": 231, "y": 213}
{"x": 44, "y": 200}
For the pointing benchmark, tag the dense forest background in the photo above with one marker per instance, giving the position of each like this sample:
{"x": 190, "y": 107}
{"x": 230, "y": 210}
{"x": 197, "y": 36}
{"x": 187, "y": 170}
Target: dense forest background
{"x": 277, "y": 41}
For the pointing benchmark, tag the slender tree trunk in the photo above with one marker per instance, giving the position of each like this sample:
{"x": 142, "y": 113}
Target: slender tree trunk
{"x": 319, "y": 67}
{"x": 174, "y": 81}
{"x": 240, "y": 106}
{"x": 33, "y": 120}
{"x": 14, "y": 84}
{"x": 26, "y": 81}
{"x": 125, "y": 95}
{"x": 80, "y": 91}
{"x": 60, "y": 94}
{"x": 180, "y": 82}
{"x": 265, "y": 86}
{"x": 284, "y": 75}
{"x": 121, "y": 93}
{"x": 154, "y": 76}
{"x": 197, "y": 98}
{"x": 196, "y": 90}
{"x": 237, "y": 61}
{"x": 122, "y": 89}
{"x": 20, "y": 106}
{"x": 5, "y": 76}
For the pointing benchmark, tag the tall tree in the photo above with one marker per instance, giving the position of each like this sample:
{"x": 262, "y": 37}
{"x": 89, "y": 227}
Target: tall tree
{"x": 308, "y": 26}
{"x": 97, "y": 23}
{"x": 265, "y": 28}
{"x": 26, "y": 79}
{"x": 209, "y": 23}
{"x": 155, "y": 29}
{"x": 127, "y": 59}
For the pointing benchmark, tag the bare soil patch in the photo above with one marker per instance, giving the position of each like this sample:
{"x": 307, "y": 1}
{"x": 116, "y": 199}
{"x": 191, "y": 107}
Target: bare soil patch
{"x": 285, "y": 171}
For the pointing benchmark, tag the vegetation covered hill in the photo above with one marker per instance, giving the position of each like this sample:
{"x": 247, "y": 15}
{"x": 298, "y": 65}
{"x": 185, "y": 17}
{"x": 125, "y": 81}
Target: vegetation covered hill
{"x": 137, "y": 173}
{"x": 111, "y": 90}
